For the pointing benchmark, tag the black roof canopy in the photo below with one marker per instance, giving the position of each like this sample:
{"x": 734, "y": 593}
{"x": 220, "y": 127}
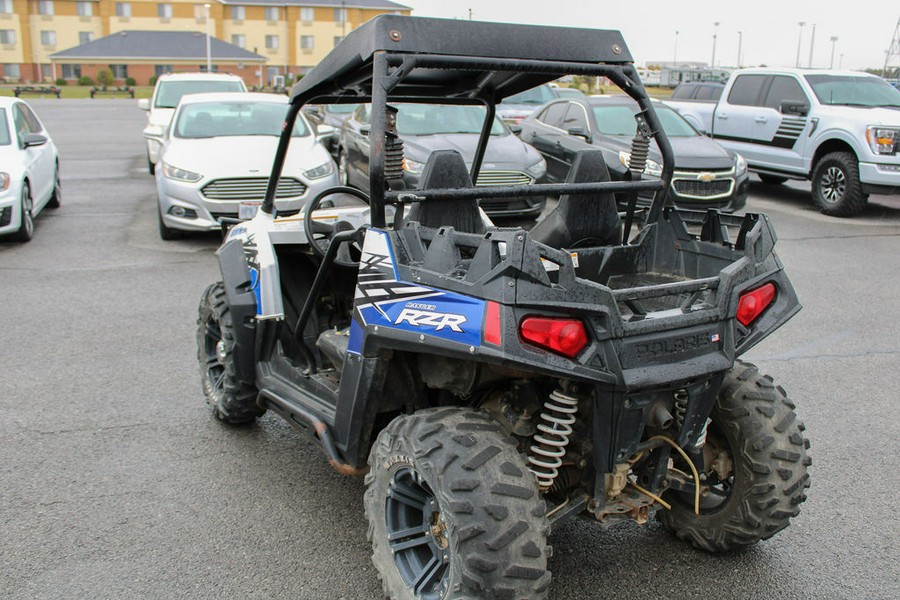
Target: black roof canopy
{"x": 457, "y": 59}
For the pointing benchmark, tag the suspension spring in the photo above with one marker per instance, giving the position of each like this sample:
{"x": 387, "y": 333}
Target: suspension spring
{"x": 393, "y": 158}
{"x": 640, "y": 146}
{"x": 681, "y": 402}
{"x": 552, "y": 437}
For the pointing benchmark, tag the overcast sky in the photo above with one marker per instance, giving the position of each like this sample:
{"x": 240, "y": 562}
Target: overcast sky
{"x": 769, "y": 27}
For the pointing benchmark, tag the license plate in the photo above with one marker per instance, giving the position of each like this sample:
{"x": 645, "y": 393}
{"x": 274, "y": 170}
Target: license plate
{"x": 247, "y": 210}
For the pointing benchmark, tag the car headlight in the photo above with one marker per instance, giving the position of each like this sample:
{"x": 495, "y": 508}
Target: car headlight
{"x": 4, "y": 182}
{"x": 740, "y": 165}
{"x": 538, "y": 169}
{"x": 326, "y": 168}
{"x": 650, "y": 168}
{"x": 180, "y": 174}
{"x": 882, "y": 140}
{"x": 411, "y": 166}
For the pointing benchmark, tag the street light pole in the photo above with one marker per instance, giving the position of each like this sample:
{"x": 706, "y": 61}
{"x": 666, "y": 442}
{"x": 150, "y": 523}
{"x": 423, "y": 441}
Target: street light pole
{"x": 715, "y": 35}
{"x": 834, "y": 39}
{"x": 675, "y": 55}
{"x": 799, "y": 41}
{"x": 740, "y": 42}
{"x": 208, "y": 51}
{"x": 812, "y": 42}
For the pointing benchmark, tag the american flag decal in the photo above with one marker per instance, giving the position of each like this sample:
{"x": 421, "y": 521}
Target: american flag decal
{"x": 714, "y": 338}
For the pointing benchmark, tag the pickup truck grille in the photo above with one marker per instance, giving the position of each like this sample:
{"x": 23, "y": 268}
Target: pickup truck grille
{"x": 703, "y": 185}
{"x": 251, "y": 188}
{"x": 486, "y": 178}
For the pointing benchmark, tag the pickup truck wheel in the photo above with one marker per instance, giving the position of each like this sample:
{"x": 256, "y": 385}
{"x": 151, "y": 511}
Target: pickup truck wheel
{"x": 772, "y": 179}
{"x": 232, "y": 401}
{"x": 453, "y": 510}
{"x": 755, "y": 467}
{"x": 836, "y": 187}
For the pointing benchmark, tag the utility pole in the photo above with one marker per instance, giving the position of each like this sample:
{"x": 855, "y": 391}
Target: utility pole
{"x": 208, "y": 50}
{"x": 715, "y": 35}
{"x": 834, "y": 39}
{"x": 812, "y": 42}
{"x": 675, "y": 55}
{"x": 470, "y": 14}
{"x": 799, "y": 41}
{"x": 740, "y": 42}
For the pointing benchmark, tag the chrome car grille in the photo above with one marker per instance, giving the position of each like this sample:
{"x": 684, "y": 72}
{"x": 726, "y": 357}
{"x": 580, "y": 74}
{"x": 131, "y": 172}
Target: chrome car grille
{"x": 703, "y": 185}
{"x": 251, "y": 188}
{"x": 487, "y": 178}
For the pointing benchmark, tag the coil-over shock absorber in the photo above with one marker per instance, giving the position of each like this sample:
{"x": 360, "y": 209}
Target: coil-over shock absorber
{"x": 393, "y": 148}
{"x": 552, "y": 437}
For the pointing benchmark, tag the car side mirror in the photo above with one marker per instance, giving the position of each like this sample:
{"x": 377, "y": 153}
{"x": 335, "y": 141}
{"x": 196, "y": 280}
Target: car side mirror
{"x": 580, "y": 132}
{"x": 144, "y": 104}
{"x": 314, "y": 114}
{"x": 325, "y": 133}
{"x": 515, "y": 128}
{"x": 34, "y": 139}
{"x": 793, "y": 107}
{"x": 364, "y": 131}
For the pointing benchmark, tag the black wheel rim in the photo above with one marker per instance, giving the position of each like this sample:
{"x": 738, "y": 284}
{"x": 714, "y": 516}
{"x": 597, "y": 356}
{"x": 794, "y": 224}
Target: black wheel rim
{"x": 214, "y": 353}
{"x": 417, "y": 534}
{"x": 833, "y": 183}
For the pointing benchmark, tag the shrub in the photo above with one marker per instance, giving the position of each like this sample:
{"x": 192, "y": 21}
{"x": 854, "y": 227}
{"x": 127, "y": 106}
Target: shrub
{"x": 61, "y": 81}
{"x": 130, "y": 81}
{"x": 85, "y": 80}
{"x": 153, "y": 80}
{"x": 105, "y": 77}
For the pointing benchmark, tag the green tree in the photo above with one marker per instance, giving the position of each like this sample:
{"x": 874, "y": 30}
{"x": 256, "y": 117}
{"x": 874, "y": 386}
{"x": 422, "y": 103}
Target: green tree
{"x": 105, "y": 77}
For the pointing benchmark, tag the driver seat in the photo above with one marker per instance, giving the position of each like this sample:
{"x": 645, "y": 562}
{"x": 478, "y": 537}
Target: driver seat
{"x": 584, "y": 219}
{"x": 446, "y": 169}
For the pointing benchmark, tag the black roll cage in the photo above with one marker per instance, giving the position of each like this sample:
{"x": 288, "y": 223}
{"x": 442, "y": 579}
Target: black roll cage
{"x": 389, "y": 69}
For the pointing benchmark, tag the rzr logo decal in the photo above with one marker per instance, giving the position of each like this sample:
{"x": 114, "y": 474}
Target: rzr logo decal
{"x": 427, "y": 318}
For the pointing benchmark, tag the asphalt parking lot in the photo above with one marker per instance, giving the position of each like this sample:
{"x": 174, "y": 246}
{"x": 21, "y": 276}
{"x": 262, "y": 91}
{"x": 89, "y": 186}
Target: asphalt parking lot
{"x": 115, "y": 482}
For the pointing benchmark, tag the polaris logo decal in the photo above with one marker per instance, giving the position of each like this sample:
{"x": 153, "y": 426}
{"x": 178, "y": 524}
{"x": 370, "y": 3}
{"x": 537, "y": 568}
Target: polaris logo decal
{"x": 413, "y": 314}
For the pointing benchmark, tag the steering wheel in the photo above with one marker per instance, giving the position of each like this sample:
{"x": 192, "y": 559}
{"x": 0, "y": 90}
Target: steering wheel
{"x": 319, "y": 234}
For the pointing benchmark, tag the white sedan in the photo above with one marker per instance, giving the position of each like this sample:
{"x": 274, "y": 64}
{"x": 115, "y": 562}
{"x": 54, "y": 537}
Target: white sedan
{"x": 29, "y": 170}
{"x": 217, "y": 157}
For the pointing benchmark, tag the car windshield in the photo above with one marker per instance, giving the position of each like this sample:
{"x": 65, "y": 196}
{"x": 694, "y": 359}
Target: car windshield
{"x": 537, "y": 96}
{"x": 341, "y": 109}
{"x": 851, "y": 90}
{"x": 170, "y": 92}
{"x": 234, "y": 118}
{"x": 438, "y": 119}
{"x": 618, "y": 119}
{"x": 4, "y": 129}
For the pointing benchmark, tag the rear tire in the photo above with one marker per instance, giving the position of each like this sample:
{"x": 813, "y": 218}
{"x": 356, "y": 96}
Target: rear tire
{"x": 232, "y": 402}
{"x": 754, "y": 422}
{"x": 772, "y": 179}
{"x": 26, "y": 206}
{"x": 451, "y": 505}
{"x": 151, "y": 167}
{"x": 836, "y": 188}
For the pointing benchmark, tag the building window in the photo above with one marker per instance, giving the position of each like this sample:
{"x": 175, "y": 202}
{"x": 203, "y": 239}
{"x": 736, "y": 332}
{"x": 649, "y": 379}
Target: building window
{"x": 48, "y": 38}
{"x": 45, "y": 7}
{"x": 12, "y": 71}
{"x": 340, "y": 15}
{"x": 85, "y": 37}
{"x": 237, "y": 13}
{"x": 6, "y": 7}
{"x": 307, "y": 42}
{"x": 239, "y": 40}
{"x": 271, "y": 13}
{"x": 272, "y": 42}
{"x": 161, "y": 69}
{"x": 123, "y": 9}
{"x": 164, "y": 11}
{"x": 337, "y": 39}
{"x": 46, "y": 71}
{"x": 200, "y": 13}
{"x": 71, "y": 71}
{"x": 7, "y": 36}
{"x": 307, "y": 15}
{"x": 119, "y": 71}
{"x": 84, "y": 9}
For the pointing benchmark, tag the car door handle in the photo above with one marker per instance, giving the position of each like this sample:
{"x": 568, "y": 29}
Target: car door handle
{"x": 722, "y": 116}
{"x": 760, "y": 119}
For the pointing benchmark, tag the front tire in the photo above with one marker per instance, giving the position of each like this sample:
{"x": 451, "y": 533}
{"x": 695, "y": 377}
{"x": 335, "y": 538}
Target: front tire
{"x": 758, "y": 476}
{"x": 55, "y": 200}
{"x": 167, "y": 234}
{"x": 343, "y": 174}
{"x": 453, "y": 510}
{"x": 836, "y": 188}
{"x": 26, "y": 206}
{"x": 232, "y": 402}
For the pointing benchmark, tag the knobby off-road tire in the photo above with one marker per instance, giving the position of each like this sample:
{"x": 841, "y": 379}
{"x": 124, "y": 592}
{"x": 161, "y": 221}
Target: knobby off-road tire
{"x": 232, "y": 401}
{"x": 447, "y": 483}
{"x": 756, "y": 420}
{"x": 836, "y": 188}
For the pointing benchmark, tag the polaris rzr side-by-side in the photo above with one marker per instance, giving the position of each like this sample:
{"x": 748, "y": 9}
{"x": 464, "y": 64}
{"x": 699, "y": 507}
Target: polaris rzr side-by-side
{"x": 490, "y": 382}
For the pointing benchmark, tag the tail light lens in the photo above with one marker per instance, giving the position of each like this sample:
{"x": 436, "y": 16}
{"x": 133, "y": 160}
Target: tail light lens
{"x": 561, "y": 336}
{"x": 754, "y": 302}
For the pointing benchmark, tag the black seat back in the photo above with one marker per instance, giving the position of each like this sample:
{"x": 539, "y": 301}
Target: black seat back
{"x": 584, "y": 219}
{"x": 446, "y": 169}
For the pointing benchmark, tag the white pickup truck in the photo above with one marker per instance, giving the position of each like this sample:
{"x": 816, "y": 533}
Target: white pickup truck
{"x": 838, "y": 129}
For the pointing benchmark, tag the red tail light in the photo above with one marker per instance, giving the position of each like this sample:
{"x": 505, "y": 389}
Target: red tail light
{"x": 562, "y": 336}
{"x": 754, "y": 302}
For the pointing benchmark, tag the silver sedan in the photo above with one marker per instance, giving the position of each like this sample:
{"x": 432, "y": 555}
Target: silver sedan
{"x": 217, "y": 156}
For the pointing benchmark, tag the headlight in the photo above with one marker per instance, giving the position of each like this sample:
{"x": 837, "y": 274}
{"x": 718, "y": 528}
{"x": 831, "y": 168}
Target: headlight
{"x": 411, "y": 166}
{"x": 740, "y": 165}
{"x": 652, "y": 167}
{"x": 882, "y": 140}
{"x": 326, "y": 168}
{"x": 4, "y": 182}
{"x": 538, "y": 169}
{"x": 180, "y": 174}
